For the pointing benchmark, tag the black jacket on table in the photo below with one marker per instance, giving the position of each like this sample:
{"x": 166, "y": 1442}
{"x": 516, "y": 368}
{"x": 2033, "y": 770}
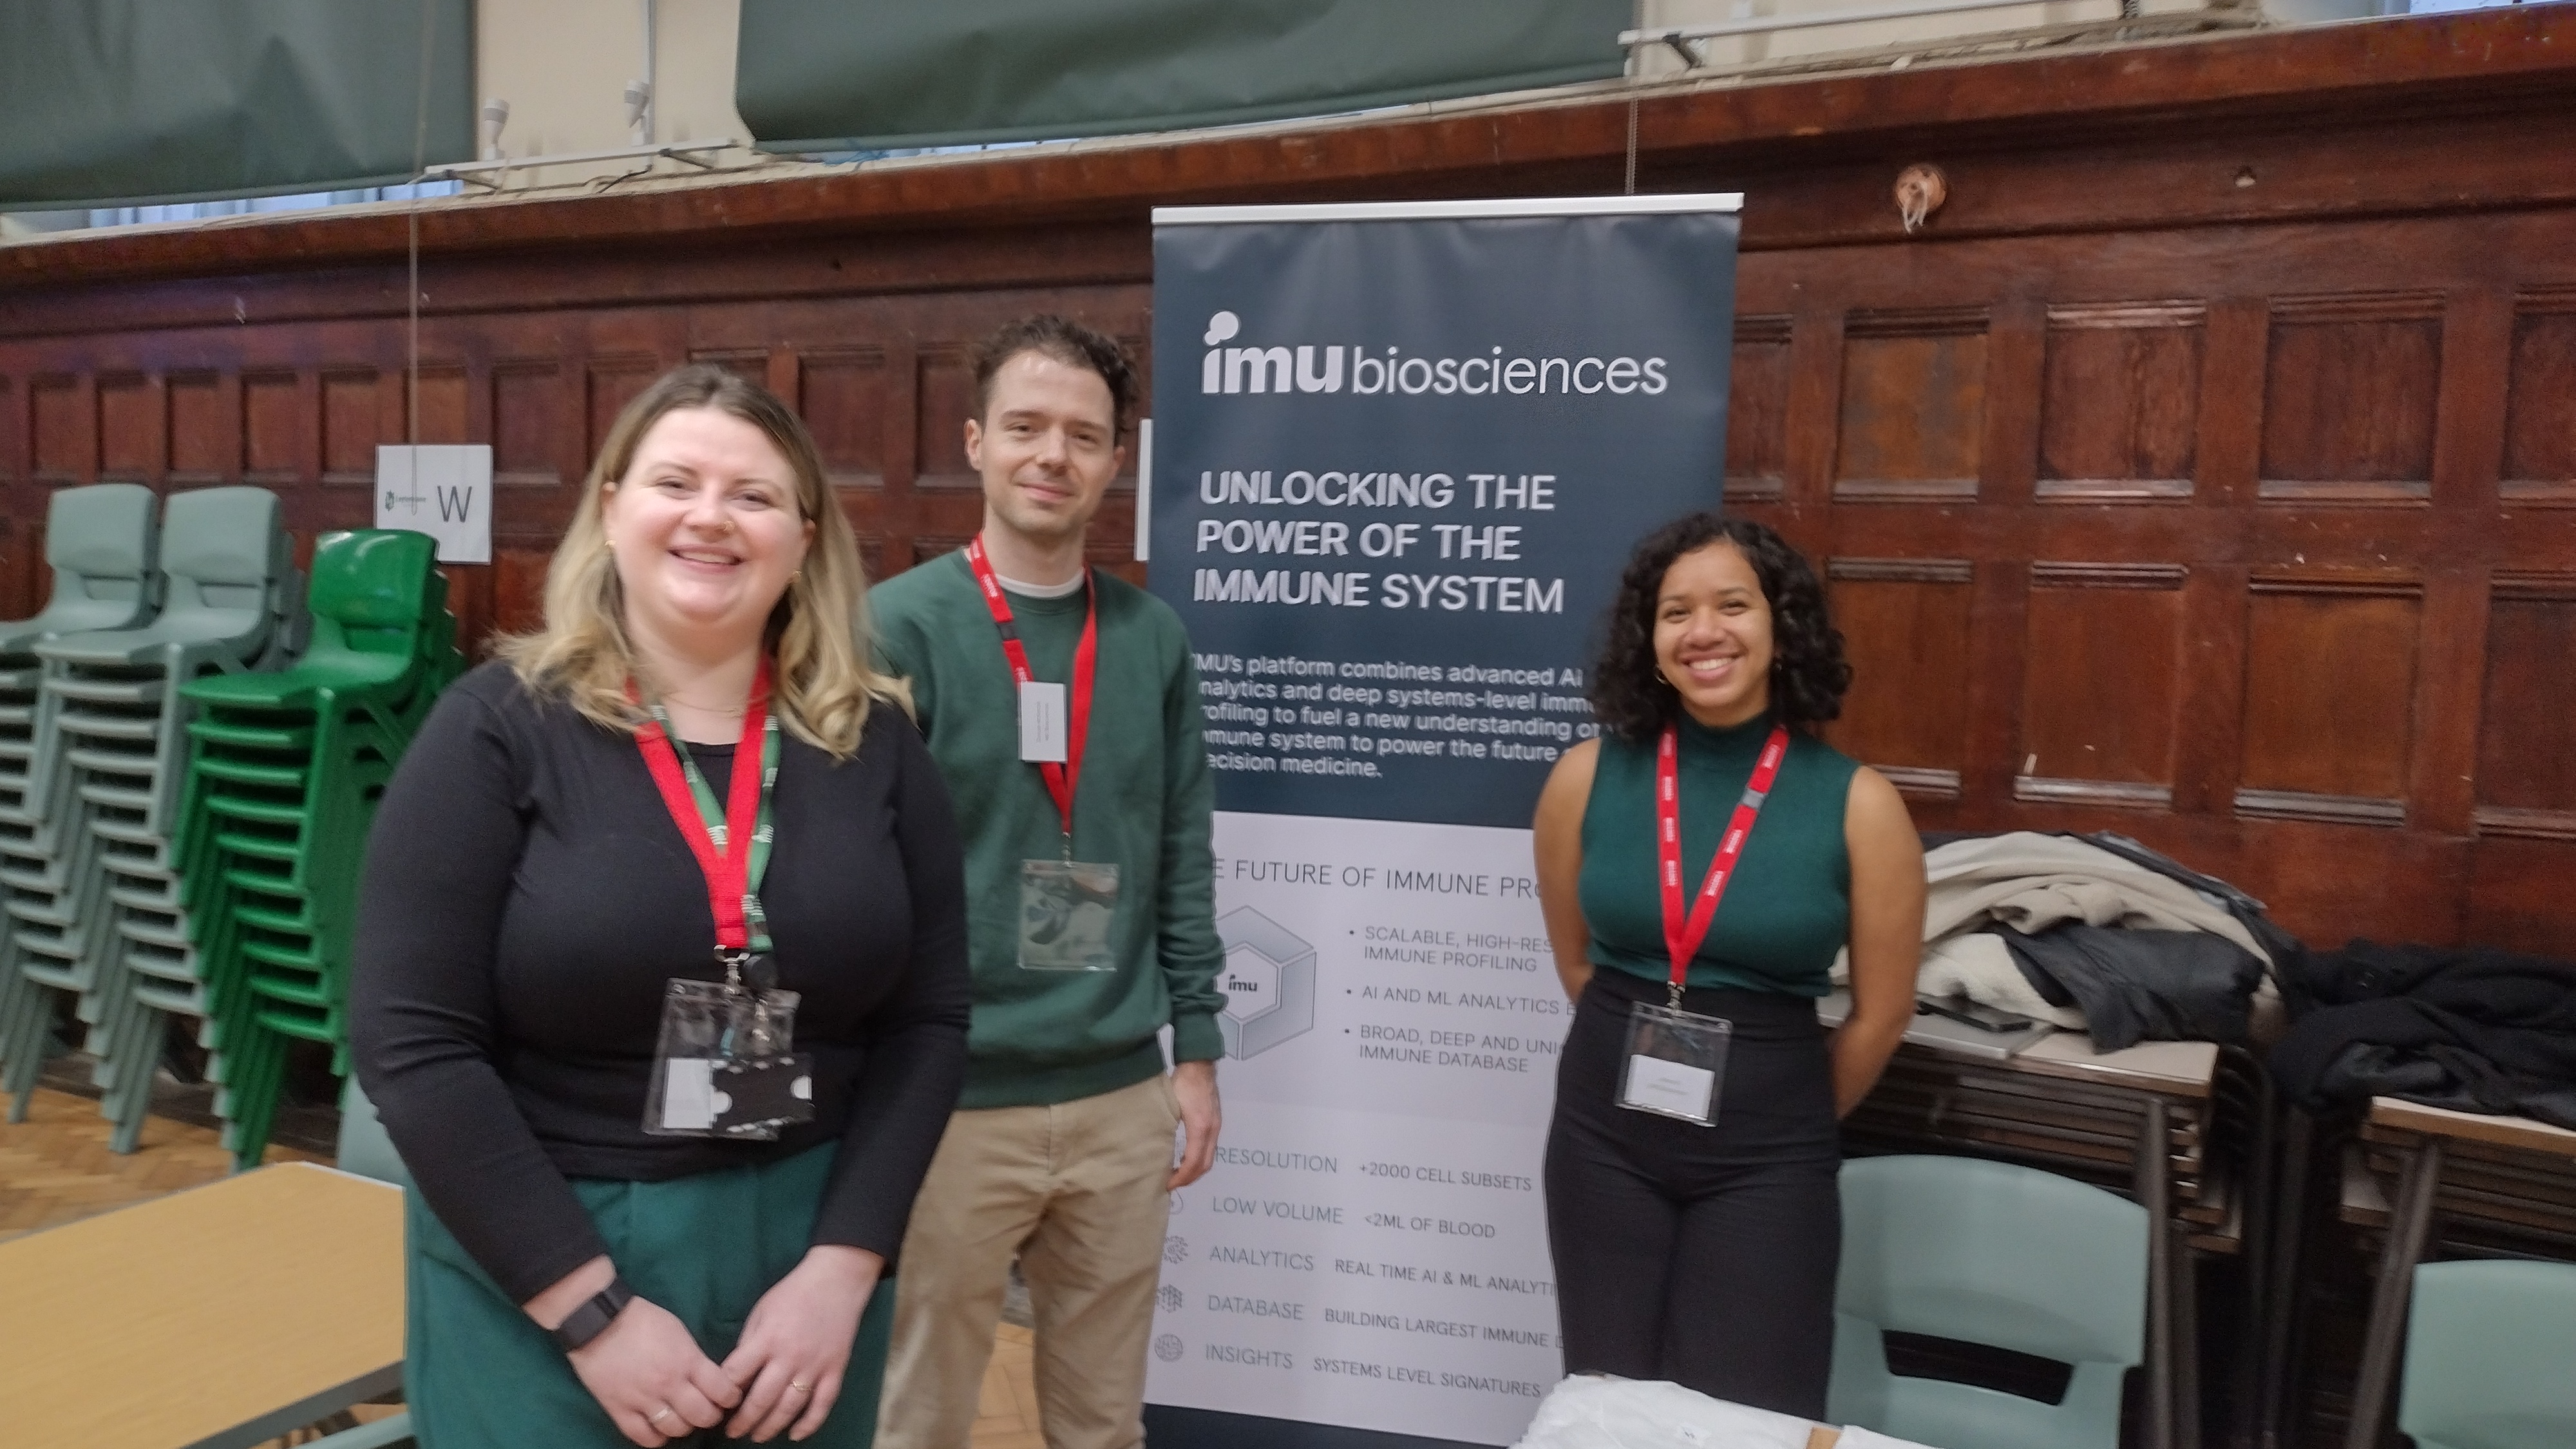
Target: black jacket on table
{"x": 527, "y": 896}
{"x": 2469, "y": 1028}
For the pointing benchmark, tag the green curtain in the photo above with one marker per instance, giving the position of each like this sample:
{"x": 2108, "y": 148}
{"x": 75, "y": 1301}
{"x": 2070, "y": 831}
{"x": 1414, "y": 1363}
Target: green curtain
{"x": 133, "y": 102}
{"x": 842, "y": 75}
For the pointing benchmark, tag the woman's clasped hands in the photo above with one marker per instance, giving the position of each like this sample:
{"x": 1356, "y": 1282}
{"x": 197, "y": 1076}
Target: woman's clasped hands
{"x": 652, "y": 1378}
{"x": 784, "y": 1375}
{"x": 796, "y": 1343}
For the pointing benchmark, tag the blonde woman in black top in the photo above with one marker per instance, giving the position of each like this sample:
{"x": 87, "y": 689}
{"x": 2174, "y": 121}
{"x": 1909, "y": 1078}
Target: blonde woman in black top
{"x": 553, "y": 867}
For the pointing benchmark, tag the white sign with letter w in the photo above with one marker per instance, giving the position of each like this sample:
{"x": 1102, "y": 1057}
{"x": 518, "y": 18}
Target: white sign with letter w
{"x": 443, "y": 490}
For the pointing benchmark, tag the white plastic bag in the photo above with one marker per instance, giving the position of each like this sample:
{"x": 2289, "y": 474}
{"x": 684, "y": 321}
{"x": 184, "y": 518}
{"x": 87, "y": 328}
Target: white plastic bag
{"x": 1597, "y": 1412}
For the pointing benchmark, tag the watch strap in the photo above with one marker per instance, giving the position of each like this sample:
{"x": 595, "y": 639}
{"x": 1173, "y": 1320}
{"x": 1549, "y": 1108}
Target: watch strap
{"x": 592, "y": 1318}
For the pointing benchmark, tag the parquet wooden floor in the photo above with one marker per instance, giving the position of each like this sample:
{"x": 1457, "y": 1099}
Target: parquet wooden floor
{"x": 55, "y": 1168}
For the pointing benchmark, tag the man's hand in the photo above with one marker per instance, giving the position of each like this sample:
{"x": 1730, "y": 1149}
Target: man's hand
{"x": 796, "y": 1344}
{"x": 1194, "y": 1086}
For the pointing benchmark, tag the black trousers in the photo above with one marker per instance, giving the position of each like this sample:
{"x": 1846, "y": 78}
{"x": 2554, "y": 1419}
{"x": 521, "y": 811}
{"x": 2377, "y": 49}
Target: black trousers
{"x": 1702, "y": 1255}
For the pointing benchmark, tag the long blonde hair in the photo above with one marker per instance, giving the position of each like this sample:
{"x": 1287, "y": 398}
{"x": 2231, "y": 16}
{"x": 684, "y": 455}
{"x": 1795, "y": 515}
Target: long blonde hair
{"x": 822, "y": 684}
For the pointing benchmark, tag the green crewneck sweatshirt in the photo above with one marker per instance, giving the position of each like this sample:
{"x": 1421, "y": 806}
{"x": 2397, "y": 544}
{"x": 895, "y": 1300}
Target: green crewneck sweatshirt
{"x": 1142, "y": 802}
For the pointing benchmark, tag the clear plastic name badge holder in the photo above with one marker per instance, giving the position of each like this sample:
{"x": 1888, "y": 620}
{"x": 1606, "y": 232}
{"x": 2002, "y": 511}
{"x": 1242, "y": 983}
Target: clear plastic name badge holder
{"x": 1066, "y": 910}
{"x": 1675, "y": 1062}
{"x": 726, "y": 1065}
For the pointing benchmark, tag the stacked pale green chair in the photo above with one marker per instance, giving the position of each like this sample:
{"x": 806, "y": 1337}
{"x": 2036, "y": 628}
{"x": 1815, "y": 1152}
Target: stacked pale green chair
{"x": 1995, "y": 1254}
{"x": 284, "y": 775}
{"x": 110, "y": 755}
{"x": 100, "y": 542}
{"x": 2487, "y": 1347}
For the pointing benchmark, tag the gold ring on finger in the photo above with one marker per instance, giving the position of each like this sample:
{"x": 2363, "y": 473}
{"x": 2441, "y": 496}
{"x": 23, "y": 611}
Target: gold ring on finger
{"x": 797, "y": 1388}
{"x": 659, "y": 1415}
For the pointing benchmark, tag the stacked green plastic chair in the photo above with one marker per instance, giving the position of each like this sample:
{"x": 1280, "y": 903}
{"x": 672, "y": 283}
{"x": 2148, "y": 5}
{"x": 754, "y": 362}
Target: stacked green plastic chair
{"x": 283, "y": 780}
{"x": 110, "y": 742}
{"x": 100, "y": 542}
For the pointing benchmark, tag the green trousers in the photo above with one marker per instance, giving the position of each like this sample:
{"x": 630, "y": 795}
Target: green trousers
{"x": 479, "y": 1374}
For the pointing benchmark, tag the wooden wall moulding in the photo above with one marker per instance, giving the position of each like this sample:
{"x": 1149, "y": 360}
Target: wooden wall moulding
{"x": 1913, "y": 406}
{"x": 843, "y": 394}
{"x": 2100, "y": 718}
{"x": 2331, "y": 661}
{"x": 1757, "y": 411}
{"x": 2323, "y": 809}
{"x": 65, "y": 446}
{"x": 531, "y": 410}
{"x": 2120, "y": 404}
{"x": 2108, "y": 575}
{"x": 2353, "y": 583}
{"x": 2505, "y": 821}
{"x": 2112, "y": 794}
{"x": 1905, "y": 626}
{"x": 2350, "y": 399}
{"x": 1900, "y": 570}
{"x": 613, "y": 383}
{"x": 2540, "y": 402}
{"x": 2526, "y": 783}
{"x": 945, "y": 391}
{"x": 197, "y": 430}
{"x": 1916, "y": 782}
{"x": 353, "y": 425}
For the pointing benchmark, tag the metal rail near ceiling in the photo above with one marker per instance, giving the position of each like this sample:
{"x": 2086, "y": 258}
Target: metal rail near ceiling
{"x": 1684, "y": 40}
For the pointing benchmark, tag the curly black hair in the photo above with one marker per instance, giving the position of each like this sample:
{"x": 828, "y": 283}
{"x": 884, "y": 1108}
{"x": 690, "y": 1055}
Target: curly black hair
{"x": 1067, "y": 342}
{"x": 1808, "y": 673}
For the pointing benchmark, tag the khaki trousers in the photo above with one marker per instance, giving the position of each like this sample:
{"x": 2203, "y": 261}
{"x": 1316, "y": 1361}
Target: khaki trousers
{"x": 1076, "y": 1191}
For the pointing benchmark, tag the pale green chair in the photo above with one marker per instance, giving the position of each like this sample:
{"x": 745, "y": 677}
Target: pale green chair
{"x": 1993, "y": 1254}
{"x": 366, "y": 1151}
{"x": 99, "y": 542}
{"x": 364, "y": 1147}
{"x": 2488, "y": 1348}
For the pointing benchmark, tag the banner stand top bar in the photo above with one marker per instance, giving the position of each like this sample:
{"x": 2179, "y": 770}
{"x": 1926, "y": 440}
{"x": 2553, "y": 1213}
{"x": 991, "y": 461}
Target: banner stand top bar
{"x": 1503, "y": 207}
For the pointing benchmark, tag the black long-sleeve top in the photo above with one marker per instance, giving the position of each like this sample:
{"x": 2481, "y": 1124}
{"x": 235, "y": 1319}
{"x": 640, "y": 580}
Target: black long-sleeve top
{"x": 527, "y": 896}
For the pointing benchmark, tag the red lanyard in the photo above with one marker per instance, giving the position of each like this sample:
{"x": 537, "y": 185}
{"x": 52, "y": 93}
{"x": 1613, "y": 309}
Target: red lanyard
{"x": 1682, "y": 937}
{"x": 1060, "y": 778}
{"x": 728, "y": 870}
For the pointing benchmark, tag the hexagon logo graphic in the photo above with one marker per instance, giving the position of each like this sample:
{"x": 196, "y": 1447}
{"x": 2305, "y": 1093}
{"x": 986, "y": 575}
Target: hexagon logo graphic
{"x": 1269, "y": 983}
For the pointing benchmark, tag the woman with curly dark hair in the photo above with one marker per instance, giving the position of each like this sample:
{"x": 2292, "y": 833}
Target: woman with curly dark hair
{"x": 1700, "y": 866}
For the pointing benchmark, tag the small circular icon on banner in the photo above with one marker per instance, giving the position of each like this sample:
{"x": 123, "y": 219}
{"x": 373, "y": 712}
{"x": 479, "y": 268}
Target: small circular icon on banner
{"x": 1168, "y": 1348}
{"x": 1176, "y": 1204}
{"x": 1176, "y": 1249}
{"x": 1169, "y": 1297}
{"x": 1222, "y": 326}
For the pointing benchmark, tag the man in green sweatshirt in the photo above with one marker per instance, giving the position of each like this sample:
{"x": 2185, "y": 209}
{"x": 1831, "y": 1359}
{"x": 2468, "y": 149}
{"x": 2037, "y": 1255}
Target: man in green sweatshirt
{"x": 1063, "y": 708}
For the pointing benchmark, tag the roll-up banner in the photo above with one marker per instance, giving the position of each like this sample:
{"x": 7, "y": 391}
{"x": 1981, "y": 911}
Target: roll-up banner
{"x": 1401, "y": 453}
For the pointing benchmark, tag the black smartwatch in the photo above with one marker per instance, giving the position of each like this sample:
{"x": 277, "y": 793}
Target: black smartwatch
{"x": 592, "y": 1318}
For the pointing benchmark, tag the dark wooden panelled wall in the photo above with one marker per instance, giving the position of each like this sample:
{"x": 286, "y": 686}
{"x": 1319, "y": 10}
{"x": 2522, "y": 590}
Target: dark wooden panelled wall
{"x": 2205, "y": 470}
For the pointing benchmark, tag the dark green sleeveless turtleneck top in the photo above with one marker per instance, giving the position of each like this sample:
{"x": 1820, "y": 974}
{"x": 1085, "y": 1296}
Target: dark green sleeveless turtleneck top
{"x": 1786, "y": 913}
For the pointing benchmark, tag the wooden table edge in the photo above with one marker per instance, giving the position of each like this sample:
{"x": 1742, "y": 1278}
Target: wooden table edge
{"x": 277, "y": 1423}
{"x": 2498, "y": 1131}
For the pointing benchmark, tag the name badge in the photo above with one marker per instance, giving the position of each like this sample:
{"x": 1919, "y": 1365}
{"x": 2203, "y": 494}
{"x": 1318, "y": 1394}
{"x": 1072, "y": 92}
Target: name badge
{"x": 1042, "y": 723}
{"x": 1676, "y": 1059}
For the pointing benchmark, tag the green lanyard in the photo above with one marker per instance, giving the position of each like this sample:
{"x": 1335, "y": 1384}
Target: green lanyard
{"x": 712, "y": 812}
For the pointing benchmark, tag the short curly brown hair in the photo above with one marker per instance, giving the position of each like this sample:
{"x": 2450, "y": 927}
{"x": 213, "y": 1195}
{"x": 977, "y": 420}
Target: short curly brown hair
{"x": 1067, "y": 342}
{"x": 1808, "y": 672}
